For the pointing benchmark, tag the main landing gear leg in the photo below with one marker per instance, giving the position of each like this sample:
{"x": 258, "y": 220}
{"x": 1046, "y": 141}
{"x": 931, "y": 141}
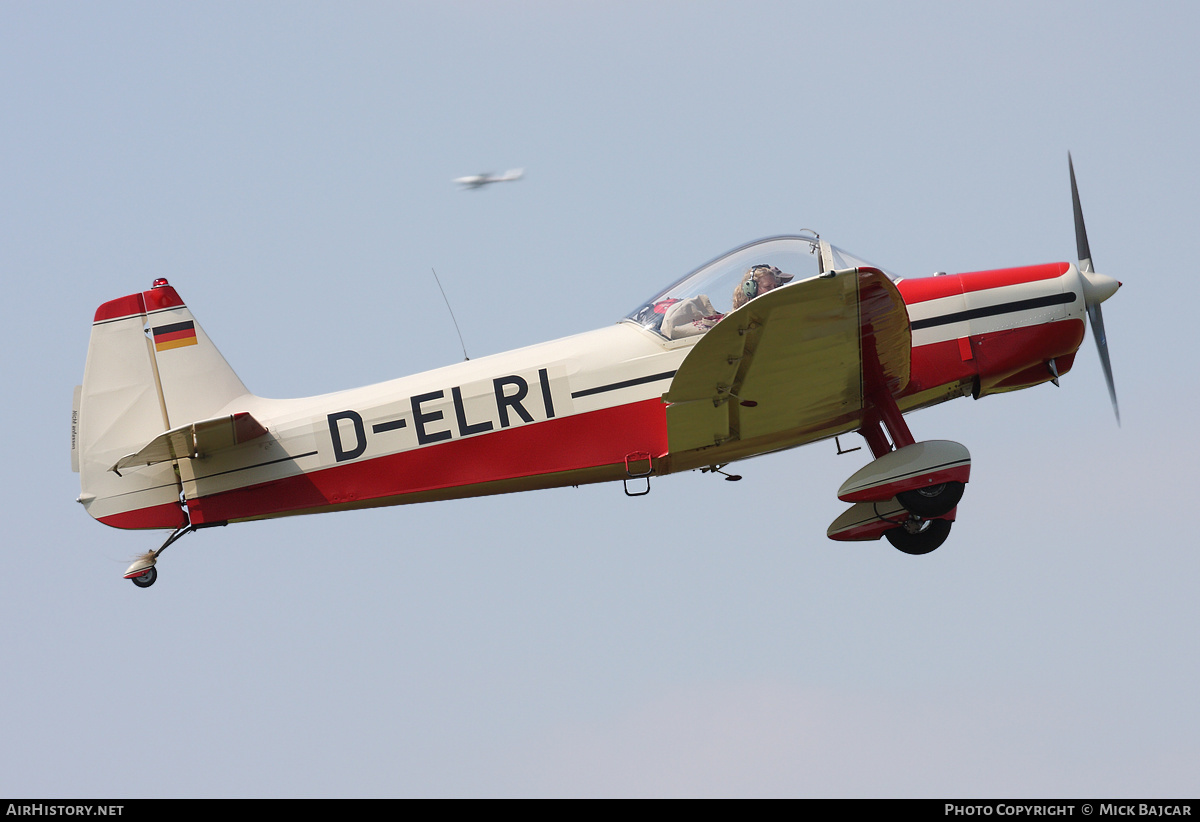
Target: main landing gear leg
{"x": 143, "y": 573}
{"x": 927, "y": 509}
{"x": 888, "y": 413}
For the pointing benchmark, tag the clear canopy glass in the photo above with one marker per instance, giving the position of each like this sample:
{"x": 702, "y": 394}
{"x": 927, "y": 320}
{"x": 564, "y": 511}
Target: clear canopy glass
{"x": 700, "y": 300}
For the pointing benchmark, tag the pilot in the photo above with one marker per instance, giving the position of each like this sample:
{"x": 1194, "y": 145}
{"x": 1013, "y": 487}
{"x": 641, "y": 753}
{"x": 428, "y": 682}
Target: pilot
{"x": 758, "y": 280}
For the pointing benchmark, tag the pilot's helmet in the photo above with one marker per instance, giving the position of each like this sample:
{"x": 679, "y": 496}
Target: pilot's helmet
{"x": 758, "y": 279}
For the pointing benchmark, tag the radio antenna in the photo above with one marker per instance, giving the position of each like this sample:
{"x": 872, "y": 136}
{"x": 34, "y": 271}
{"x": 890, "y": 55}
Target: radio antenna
{"x": 451, "y": 310}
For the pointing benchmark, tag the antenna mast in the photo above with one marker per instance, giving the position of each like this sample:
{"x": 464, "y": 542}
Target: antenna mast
{"x": 451, "y": 310}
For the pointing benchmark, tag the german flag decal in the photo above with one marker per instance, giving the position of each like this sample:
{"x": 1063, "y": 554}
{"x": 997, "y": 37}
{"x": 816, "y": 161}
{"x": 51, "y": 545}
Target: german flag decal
{"x": 175, "y": 335}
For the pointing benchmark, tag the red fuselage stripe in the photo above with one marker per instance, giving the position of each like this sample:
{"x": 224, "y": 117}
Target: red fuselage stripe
{"x": 167, "y": 515}
{"x": 597, "y": 438}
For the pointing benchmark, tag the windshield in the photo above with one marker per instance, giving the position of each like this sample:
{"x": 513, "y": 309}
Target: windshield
{"x": 701, "y": 299}
{"x": 840, "y": 259}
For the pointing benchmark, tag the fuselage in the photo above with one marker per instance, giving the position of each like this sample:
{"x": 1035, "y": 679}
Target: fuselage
{"x": 586, "y": 408}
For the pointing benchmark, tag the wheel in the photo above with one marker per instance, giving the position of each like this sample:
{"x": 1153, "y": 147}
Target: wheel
{"x": 934, "y": 500}
{"x": 146, "y": 579}
{"x": 919, "y": 536}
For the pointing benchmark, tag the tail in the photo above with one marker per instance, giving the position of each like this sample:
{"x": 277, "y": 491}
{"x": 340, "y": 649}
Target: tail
{"x": 150, "y": 368}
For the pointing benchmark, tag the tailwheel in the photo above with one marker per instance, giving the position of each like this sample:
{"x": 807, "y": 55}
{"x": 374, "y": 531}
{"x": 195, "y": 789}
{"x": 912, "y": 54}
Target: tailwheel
{"x": 918, "y": 536}
{"x": 143, "y": 572}
{"x": 146, "y": 579}
{"x": 933, "y": 501}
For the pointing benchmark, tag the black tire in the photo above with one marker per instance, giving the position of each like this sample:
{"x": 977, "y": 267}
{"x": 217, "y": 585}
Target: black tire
{"x": 933, "y": 501}
{"x": 146, "y": 579}
{"x": 932, "y": 534}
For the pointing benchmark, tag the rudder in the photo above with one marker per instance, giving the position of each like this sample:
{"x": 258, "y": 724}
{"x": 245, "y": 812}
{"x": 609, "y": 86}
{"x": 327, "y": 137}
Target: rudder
{"x": 196, "y": 380}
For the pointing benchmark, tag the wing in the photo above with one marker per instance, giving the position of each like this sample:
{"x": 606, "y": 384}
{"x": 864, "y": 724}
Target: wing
{"x": 197, "y": 439}
{"x": 792, "y": 360}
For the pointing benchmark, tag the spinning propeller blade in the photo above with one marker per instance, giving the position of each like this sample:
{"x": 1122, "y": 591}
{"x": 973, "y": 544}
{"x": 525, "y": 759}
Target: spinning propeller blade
{"x": 1096, "y": 289}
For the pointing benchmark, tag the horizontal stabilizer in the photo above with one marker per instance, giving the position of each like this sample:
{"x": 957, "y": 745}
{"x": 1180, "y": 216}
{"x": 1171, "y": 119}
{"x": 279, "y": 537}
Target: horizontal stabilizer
{"x": 194, "y": 440}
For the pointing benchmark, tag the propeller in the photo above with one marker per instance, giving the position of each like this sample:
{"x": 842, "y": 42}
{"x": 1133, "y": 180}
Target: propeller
{"x": 1096, "y": 289}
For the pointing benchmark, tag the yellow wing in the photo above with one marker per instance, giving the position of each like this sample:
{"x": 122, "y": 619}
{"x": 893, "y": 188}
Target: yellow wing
{"x": 793, "y": 360}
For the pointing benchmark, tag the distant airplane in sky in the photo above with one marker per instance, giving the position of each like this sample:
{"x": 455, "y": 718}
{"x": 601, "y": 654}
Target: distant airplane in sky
{"x": 480, "y": 180}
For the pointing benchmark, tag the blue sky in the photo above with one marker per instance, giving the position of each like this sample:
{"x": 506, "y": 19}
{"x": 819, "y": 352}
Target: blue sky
{"x": 288, "y": 167}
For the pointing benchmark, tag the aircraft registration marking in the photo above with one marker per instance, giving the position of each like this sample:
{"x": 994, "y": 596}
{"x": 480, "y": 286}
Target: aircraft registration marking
{"x": 445, "y": 414}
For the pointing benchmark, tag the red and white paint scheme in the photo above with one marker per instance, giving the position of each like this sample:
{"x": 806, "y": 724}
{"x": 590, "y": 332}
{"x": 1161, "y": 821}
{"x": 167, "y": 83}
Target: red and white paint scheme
{"x": 779, "y": 343}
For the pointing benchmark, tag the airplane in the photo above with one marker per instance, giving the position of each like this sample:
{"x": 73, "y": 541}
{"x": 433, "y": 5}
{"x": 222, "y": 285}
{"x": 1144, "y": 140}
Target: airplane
{"x": 779, "y": 343}
{"x": 481, "y": 180}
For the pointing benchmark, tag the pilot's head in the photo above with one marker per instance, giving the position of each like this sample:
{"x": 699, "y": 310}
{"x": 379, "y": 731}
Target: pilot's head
{"x": 758, "y": 280}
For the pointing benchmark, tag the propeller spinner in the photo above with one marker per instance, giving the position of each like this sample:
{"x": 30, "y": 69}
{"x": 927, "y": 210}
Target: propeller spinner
{"x": 1096, "y": 289}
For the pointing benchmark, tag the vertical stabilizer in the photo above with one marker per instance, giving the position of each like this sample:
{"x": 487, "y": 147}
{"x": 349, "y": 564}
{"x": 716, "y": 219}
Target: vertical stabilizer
{"x": 120, "y": 409}
{"x": 150, "y": 367}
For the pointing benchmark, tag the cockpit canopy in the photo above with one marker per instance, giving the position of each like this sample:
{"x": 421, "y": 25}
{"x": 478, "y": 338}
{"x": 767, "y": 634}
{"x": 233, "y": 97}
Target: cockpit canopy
{"x": 701, "y": 299}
